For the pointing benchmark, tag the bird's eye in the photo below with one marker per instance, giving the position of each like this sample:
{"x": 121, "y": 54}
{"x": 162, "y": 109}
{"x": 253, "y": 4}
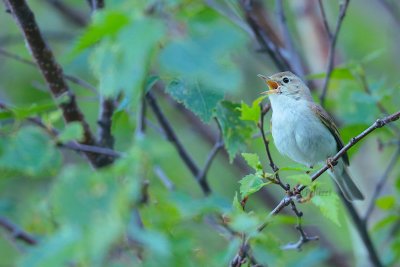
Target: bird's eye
{"x": 285, "y": 79}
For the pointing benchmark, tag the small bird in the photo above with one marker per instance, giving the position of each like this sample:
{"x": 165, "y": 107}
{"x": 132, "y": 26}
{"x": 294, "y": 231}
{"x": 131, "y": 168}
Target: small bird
{"x": 304, "y": 131}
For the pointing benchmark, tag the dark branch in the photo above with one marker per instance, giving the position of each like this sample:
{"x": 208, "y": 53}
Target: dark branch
{"x": 52, "y": 73}
{"x": 16, "y": 232}
{"x": 172, "y": 137}
{"x": 72, "y": 15}
{"x": 268, "y": 41}
{"x": 381, "y": 183}
{"x": 333, "y": 39}
{"x": 324, "y": 19}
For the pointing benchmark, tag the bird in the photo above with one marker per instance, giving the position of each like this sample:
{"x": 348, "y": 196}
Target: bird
{"x": 303, "y": 131}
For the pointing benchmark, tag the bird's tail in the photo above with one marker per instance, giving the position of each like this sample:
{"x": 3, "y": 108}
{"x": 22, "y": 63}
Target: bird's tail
{"x": 344, "y": 182}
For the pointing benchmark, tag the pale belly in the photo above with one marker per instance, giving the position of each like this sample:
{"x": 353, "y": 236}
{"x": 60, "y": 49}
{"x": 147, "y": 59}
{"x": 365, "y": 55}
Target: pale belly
{"x": 302, "y": 136}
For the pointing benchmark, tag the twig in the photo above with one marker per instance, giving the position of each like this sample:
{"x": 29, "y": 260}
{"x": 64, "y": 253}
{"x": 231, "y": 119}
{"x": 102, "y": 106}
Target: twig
{"x": 72, "y": 15}
{"x": 105, "y": 121}
{"x": 274, "y": 167}
{"x": 304, "y": 238}
{"x": 292, "y": 55}
{"x": 324, "y": 19}
{"x": 52, "y": 73}
{"x": 109, "y": 153}
{"x": 381, "y": 183}
{"x": 16, "y": 232}
{"x": 164, "y": 178}
{"x": 333, "y": 39}
{"x": 187, "y": 159}
{"x": 71, "y": 78}
{"x": 268, "y": 42}
{"x": 392, "y": 9}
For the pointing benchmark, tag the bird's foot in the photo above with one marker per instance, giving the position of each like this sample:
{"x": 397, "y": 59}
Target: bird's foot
{"x": 331, "y": 163}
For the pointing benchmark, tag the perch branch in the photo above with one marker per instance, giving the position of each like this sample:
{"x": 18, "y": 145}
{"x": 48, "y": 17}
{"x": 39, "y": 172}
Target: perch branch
{"x": 16, "y": 232}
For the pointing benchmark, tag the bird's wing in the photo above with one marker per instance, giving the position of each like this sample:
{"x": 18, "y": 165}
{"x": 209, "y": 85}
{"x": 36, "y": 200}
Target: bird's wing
{"x": 327, "y": 120}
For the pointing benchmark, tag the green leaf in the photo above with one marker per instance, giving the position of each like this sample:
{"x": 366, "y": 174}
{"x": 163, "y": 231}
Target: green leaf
{"x": 244, "y": 223}
{"x": 298, "y": 167}
{"x": 121, "y": 63}
{"x": 250, "y": 184}
{"x": 196, "y": 97}
{"x": 252, "y": 160}
{"x": 104, "y": 23}
{"x": 303, "y": 179}
{"x": 236, "y": 206}
{"x": 385, "y": 222}
{"x": 29, "y": 152}
{"x": 72, "y": 131}
{"x": 235, "y": 131}
{"x": 329, "y": 206}
{"x": 386, "y": 202}
{"x": 205, "y": 56}
{"x": 252, "y": 113}
{"x": 340, "y": 73}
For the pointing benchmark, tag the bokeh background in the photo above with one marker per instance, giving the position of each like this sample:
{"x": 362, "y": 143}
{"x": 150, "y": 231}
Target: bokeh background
{"x": 146, "y": 209}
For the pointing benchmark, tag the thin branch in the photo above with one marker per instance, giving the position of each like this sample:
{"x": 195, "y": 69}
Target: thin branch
{"x": 52, "y": 73}
{"x": 73, "y": 79}
{"x": 105, "y": 121}
{"x": 333, "y": 40}
{"x": 164, "y": 178}
{"x": 381, "y": 183}
{"x": 324, "y": 19}
{"x": 17, "y": 232}
{"x": 392, "y": 9}
{"x": 72, "y": 15}
{"x": 172, "y": 137}
{"x": 267, "y": 40}
{"x": 292, "y": 55}
{"x": 304, "y": 238}
{"x": 109, "y": 153}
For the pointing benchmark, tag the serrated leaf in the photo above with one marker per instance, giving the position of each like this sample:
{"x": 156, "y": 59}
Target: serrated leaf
{"x": 329, "y": 206}
{"x": 72, "y": 131}
{"x": 303, "y": 179}
{"x": 196, "y": 97}
{"x": 122, "y": 65}
{"x": 386, "y": 202}
{"x": 252, "y": 113}
{"x": 250, "y": 184}
{"x": 244, "y": 223}
{"x": 252, "y": 160}
{"x": 235, "y": 131}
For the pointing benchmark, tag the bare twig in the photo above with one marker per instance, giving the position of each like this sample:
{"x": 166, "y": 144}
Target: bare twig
{"x": 304, "y": 238}
{"x": 381, "y": 183}
{"x": 164, "y": 178}
{"x": 253, "y": 11}
{"x": 333, "y": 39}
{"x": 71, "y": 78}
{"x": 172, "y": 137}
{"x": 392, "y": 9}
{"x": 72, "y": 15}
{"x": 292, "y": 55}
{"x": 324, "y": 19}
{"x": 16, "y": 232}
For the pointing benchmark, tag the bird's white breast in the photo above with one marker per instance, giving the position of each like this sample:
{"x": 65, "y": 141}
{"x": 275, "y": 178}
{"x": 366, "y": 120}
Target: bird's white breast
{"x": 298, "y": 132}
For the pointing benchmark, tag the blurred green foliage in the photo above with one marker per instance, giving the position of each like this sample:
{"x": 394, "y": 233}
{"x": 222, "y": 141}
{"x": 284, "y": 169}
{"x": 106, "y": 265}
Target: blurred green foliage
{"x": 207, "y": 62}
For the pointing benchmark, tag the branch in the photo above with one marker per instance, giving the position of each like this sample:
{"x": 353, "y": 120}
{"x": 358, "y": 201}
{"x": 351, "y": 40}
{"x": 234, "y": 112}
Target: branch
{"x": 172, "y": 137}
{"x": 292, "y": 54}
{"x": 324, "y": 19}
{"x": 73, "y": 79}
{"x": 72, "y": 15}
{"x": 333, "y": 39}
{"x": 52, "y": 73}
{"x": 16, "y": 232}
{"x": 304, "y": 238}
{"x": 268, "y": 40}
{"x": 381, "y": 183}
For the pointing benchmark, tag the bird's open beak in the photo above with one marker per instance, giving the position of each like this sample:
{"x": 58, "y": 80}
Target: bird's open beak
{"x": 272, "y": 85}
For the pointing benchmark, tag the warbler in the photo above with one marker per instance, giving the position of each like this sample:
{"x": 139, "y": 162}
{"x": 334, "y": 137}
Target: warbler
{"x": 303, "y": 131}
